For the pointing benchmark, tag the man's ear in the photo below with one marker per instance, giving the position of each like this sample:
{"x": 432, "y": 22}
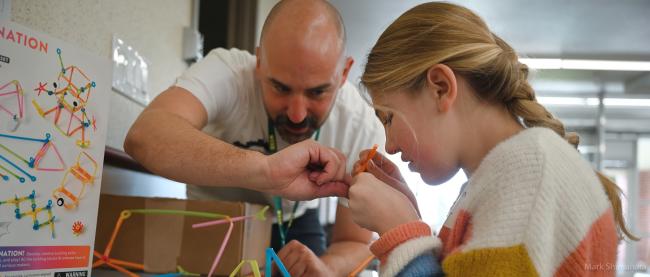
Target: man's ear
{"x": 441, "y": 81}
{"x": 349, "y": 61}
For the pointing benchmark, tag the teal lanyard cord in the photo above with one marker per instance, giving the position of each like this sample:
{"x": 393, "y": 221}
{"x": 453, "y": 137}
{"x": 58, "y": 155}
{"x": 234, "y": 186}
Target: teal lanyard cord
{"x": 277, "y": 200}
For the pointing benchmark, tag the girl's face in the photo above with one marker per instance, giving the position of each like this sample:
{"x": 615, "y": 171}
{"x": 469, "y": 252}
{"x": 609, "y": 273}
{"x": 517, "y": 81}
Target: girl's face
{"x": 417, "y": 129}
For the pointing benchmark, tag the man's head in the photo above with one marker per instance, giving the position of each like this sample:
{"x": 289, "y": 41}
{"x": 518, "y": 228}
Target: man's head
{"x": 301, "y": 65}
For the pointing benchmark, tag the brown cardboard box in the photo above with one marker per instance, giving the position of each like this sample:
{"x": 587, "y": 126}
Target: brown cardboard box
{"x": 162, "y": 242}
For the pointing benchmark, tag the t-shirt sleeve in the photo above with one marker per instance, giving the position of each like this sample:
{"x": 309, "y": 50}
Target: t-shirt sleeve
{"x": 216, "y": 81}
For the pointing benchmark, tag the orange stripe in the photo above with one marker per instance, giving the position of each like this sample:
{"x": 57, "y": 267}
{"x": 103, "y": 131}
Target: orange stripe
{"x": 452, "y": 238}
{"x": 398, "y": 235}
{"x": 596, "y": 253}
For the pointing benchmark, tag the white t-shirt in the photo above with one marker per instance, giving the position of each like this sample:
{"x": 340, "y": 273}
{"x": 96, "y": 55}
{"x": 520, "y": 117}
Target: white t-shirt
{"x": 225, "y": 83}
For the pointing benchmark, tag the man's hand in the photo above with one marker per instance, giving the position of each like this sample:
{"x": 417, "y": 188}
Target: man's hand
{"x": 305, "y": 171}
{"x": 378, "y": 206}
{"x": 300, "y": 261}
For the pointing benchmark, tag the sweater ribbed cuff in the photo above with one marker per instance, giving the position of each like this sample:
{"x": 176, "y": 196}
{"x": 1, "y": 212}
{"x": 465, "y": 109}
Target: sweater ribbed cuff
{"x": 398, "y": 235}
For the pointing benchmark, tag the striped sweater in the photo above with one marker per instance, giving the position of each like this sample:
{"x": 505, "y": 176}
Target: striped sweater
{"x": 533, "y": 207}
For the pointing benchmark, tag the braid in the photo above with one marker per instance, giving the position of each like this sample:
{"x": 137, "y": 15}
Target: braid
{"x": 533, "y": 114}
{"x": 520, "y": 97}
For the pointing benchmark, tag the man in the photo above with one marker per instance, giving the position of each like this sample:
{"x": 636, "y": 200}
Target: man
{"x": 209, "y": 129}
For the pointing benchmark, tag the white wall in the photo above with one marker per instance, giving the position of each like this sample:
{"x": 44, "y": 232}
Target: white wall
{"x": 643, "y": 150}
{"x": 5, "y": 9}
{"x": 263, "y": 9}
{"x": 153, "y": 27}
{"x": 365, "y": 20}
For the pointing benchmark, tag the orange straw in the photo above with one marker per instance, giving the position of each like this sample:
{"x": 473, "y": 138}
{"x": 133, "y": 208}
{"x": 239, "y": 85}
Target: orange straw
{"x": 364, "y": 165}
{"x": 362, "y": 265}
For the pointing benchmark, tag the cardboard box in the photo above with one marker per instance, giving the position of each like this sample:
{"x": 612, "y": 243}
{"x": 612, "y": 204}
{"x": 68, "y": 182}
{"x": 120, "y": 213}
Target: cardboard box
{"x": 163, "y": 242}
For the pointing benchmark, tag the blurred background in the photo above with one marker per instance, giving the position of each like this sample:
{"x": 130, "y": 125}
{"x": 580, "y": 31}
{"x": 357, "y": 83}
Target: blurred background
{"x": 591, "y": 61}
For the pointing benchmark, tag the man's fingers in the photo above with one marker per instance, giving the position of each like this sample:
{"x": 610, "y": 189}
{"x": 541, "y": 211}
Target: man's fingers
{"x": 340, "y": 174}
{"x": 347, "y": 179}
{"x": 334, "y": 164}
{"x": 313, "y": 176}
{"x": 339, "y": 189}
{"x": 333, "y": 169}
{"x": 339, "y": 166}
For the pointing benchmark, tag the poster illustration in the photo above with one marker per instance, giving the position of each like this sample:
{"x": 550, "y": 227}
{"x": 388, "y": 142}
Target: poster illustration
{"x": 54, "y": 101}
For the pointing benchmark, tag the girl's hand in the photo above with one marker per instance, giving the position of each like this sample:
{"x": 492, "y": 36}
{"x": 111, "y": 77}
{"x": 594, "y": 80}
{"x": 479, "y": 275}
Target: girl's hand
{"x": 386, "y": 171}
{"x": 378, "y": 206}
{"x": 384, "y": 164}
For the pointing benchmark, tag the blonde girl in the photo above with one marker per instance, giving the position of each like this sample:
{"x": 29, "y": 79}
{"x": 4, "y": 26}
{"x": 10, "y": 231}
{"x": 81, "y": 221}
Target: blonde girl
{"x": 453, "y": 95}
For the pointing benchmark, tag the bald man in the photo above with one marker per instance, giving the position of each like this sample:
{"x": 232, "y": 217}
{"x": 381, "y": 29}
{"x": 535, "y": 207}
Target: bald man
{"x": 210, "y": 128}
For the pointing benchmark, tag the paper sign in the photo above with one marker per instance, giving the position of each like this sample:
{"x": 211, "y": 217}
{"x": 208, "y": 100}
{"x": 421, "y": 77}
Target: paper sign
{"x": 54, "y": 101}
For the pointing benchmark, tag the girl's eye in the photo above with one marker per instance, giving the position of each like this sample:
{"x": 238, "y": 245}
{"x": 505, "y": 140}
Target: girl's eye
{"x": 387, "y": 120}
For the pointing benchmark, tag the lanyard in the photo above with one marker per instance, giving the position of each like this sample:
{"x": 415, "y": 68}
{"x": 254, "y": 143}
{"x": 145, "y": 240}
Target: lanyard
{"x": 273, "y": 144}
{"x": 277, "y": 200}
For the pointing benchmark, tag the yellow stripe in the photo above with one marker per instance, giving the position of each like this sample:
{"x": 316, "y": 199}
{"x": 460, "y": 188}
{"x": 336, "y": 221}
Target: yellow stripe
{"x": 503, "y": 261}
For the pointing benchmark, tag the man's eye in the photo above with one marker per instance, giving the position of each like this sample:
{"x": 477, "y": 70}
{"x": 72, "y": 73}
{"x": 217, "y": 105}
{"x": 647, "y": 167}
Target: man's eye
{"x": 280, "y": 88}
{"x": 316, "y": 93}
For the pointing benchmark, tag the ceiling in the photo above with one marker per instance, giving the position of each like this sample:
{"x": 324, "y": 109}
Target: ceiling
{"x": 575, "y": 29}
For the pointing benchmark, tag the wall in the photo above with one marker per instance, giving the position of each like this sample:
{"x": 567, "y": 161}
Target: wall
{"x": 5, "y": 9}
{"x": 644, "y": 153}
{"x": 153, "y": 27}
{"x": 263, "y": 9}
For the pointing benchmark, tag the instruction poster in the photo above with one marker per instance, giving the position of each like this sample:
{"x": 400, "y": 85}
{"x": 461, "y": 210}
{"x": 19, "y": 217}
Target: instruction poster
{"x": 54, "y": 101}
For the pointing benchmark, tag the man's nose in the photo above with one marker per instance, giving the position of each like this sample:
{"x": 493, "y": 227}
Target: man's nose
{"x": 297, "y": 110}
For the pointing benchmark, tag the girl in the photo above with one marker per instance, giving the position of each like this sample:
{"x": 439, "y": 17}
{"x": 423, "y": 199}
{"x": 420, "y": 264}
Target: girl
{"x": 451, "y": 94}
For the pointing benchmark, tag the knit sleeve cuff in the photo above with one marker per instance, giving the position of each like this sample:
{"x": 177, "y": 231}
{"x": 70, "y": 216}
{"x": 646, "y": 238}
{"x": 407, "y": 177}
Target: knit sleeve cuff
{"x": 398, "y": 235}
{"x": 405, "y": 259}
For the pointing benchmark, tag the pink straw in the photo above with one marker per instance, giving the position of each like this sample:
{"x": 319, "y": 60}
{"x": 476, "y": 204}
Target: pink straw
{"x": 221, "y": 221}
{"x": 222, "y": 248}
{"x": 231, "y": 221}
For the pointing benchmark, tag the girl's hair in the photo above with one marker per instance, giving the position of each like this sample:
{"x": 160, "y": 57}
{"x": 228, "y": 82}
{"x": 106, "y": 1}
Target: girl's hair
{"x": 443, "y": 33}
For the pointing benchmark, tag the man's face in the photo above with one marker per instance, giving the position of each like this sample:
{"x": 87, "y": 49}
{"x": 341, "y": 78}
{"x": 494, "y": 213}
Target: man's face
{"x": 299, "y": 90}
